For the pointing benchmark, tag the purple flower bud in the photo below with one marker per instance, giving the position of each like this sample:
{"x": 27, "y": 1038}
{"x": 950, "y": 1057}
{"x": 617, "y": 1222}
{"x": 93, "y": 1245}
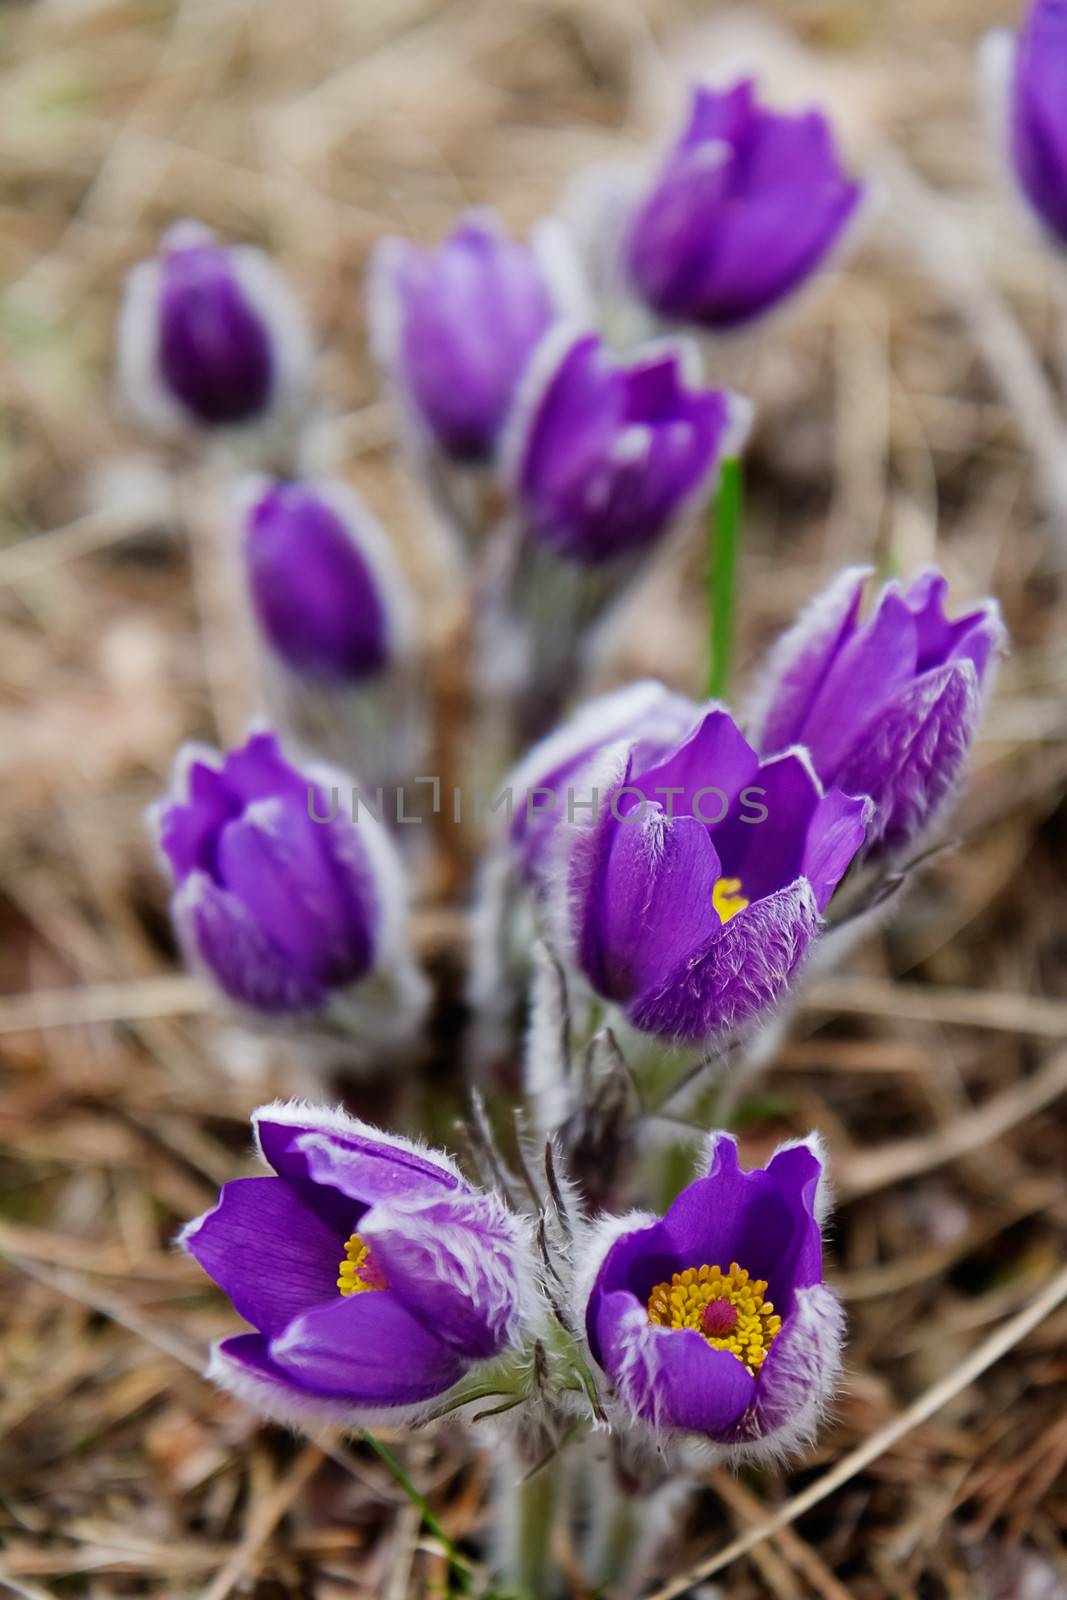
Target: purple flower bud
{"x": 1030, "y": 85}
{"x": 280, "y": 898}
{"x": 645, "y": 716}
{"x": 714, "y": 1319}
{"x": 746, "y": 206}
{"x": 887, "y": 707}
{"x": 455, "y": 328}
{"x": 691, "y": 893}
{"x": 606, "y": 456}
{"x": 209, "y": 335}
{"x": 373, "y": 1274}
{"x": 326, "y": 590}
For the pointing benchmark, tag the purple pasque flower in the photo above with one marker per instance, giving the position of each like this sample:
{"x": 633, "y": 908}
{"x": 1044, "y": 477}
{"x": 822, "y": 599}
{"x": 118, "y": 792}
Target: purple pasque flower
{"x": 714, "y": 1319}
{"x": 748, "y": 203}
{"x": 209, "y": 336}
{"x": 544, "y": 786}
{"x": 326, "y": 590}
{"x": 606, "y": 454}
{"x": 886, "y": 707}
{"x": 691, "y": 892}
{"x": 455, "y": 327}
{"x": 1027, "y": 79}
{"x": 373, "y": 1274}
{"x": 280, "y": 899}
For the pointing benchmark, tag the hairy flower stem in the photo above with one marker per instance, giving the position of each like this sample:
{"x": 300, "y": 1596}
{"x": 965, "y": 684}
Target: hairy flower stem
{"x": 619, "y": 1540}
{"x": 536, "y": 1499}
{"x": 725, "y": 541}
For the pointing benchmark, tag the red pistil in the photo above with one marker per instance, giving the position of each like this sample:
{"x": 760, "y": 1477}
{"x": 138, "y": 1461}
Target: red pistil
{"x": 719, "y": 1318}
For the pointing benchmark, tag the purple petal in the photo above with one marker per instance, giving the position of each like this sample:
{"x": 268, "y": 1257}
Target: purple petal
{"x": 942, "y": 639}
{"x": 671, "y": 1377}
{"x": 469, "y": 316}
{"x": 876, "y": 661}
{"x": 653, "y": 909}
{"x": 715, "y": 757}
{"x": 268, "y": 1250}
{"x": 189, "y": 831}
{"x": 745, "y": 968}
{"x": 259, "y": 771}
{"x": 214, "y": 350}
{"x": 272, "y": 860}
{"x": 801, "y": 1368}
{"x": 608, "y": 454}
{"x": 313, "y": 591}
{"x": 451, "y": 1260}
{"x": 242, "y": 1365}
{"x": 219, "y": 936}
{"x": 349, "y": 1158}
{"x": 835, "y": 836}
{"x": 801, "y": 659}
{"x": 367, "y": 1348}
{"x": 645, "y": 713}
{"x": 1039, "y": 113}
{"x": 763, "y": 1219}
{"x": 719, "y": 114}
{"x": 745, "y": 208}
{"x": 909, "y": 759}
{"x": 768, "y": 854}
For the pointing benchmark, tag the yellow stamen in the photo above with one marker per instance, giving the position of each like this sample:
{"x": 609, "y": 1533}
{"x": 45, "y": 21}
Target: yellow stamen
{"x": 725, "y": 1308}
{"x": 357, "y": 1272}
{"x": 727, "y": 898}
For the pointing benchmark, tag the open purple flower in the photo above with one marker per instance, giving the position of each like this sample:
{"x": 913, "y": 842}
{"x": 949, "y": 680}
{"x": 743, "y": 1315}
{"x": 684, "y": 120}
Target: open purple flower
{"x": 280, "y": 899}
{"x": 1029, "y": 81}
{"x": 606, "y": 455}
{"x": 455, "y": 328}
{"x": 747, "y": 205}
{"x": 326, "y": 590}
{"x": 714, "y": 1319}
{"x": 373, "y": 1274}
{"x": 210, "y": 335}
{"x": 886, "y": 707}
{"x": 691, "y": 892}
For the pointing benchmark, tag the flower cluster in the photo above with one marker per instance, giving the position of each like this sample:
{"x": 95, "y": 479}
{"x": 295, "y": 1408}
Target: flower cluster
{"x": 392, "y": 1285}
{"x": 667, "y": 869}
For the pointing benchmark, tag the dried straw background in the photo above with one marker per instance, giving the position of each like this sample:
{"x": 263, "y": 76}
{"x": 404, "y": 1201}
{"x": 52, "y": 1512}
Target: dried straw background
{"x": 937, "y": 1066}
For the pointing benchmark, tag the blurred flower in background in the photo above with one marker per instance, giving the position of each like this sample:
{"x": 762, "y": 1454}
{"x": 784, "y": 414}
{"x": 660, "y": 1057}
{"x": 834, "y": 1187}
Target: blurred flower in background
{"x": 606, "y": 453}
{"x": 646, "y": 716}
{"x": 748, "y": 203}
{"x": 328, "y": 595}
{"x": 280, "y": 899}
{"x": 454, "y": 329}
{"x": 1028, "y": 82}
{"x": 210, "y": 336}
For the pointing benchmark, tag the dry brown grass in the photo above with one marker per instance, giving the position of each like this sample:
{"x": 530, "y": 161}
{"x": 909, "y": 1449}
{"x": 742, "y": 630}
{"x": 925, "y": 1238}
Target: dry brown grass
{"x": 313, "y": 128}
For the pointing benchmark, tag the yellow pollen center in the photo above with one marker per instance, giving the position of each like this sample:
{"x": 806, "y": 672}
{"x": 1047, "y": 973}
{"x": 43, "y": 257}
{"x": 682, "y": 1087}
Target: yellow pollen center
{"x": 725, "y": 1308}
{"x": 727, "y": 898}
{"x": 357, "y": 1272}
